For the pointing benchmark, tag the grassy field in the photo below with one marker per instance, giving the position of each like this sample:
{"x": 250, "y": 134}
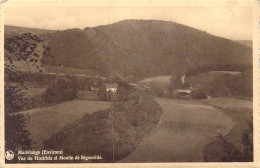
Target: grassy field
{"x": 71, "y": 71}
{"x": 229, "y": 103}
{"x": 206, "y": 78}
{"x": 165, "y": 81}
{"x": 34, "y": 92}
{"x": 42, "y": 122}
{"x": 186, "y": 127}
{"x": 160, "y": 81}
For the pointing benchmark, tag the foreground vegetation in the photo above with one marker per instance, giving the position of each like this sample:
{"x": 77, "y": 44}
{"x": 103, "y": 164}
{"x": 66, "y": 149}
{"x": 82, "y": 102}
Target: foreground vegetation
{"x": 113, "y": 133}
{"x": 28, "y": 48}
{"x": 237, "y": 145}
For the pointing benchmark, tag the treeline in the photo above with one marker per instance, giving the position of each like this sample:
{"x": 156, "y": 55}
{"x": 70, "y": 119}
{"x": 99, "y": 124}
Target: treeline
{"x": 61, "y": 91}
{"x": 224, "y": 85}
{"x": 64, "y": 89}
{"x": 45, "y": 77}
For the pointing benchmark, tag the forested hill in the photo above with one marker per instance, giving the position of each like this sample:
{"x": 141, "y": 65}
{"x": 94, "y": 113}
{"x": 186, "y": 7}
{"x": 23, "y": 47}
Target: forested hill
{"x": 142, "y": 48}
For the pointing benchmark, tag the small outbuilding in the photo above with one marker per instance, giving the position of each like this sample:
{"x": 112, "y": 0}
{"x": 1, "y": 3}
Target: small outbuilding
{"x": 111, "y": 87}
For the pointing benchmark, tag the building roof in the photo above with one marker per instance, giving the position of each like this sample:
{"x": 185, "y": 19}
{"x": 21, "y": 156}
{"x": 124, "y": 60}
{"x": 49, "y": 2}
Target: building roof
{"x": 182, "y": 90}
{"x": 111, "y": 85}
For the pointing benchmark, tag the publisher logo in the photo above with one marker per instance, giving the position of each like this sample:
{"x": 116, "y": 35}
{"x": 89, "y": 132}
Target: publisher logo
{"x": 9, "y": 155}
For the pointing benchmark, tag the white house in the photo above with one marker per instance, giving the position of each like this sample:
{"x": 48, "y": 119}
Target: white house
{"x": 188, "y": 91}
{"x": 111, "y": 87}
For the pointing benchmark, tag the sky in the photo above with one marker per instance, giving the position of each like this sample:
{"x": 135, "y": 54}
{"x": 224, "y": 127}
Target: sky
{"x": 228, "y": 21}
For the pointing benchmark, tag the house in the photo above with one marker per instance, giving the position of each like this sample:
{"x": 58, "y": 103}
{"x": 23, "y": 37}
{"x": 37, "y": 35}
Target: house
{"x": 188, "y": 91}
{"x": 111, "y": 87}
{"x": 182, "y": 92}
{"x": 93, "y": 88}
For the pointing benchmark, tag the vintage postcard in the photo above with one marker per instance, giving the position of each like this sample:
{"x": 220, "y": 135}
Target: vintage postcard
{"x": 129, "y": 83}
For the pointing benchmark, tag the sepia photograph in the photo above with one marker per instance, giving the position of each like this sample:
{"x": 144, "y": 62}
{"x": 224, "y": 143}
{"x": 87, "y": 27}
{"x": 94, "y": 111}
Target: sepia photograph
{"x": 120, "y": 83}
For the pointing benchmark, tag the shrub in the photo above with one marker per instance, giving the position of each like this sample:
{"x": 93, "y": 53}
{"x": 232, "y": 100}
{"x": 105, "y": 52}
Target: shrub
{"x": 102, "y": 93}
{"x": 122, "y": 94}
{"x": 223, "y": 150}
{"x": 61, "y": 91}
{"x": 198, "y": 94}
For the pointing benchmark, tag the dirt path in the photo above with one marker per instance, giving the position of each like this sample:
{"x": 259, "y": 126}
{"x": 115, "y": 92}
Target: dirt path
{"x": 186, "y": 127}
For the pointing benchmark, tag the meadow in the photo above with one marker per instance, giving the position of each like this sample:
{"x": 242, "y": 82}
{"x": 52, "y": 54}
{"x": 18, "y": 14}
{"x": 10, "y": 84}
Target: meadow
{"x": 42, "y": 122}
{"x": 159, "y": 81}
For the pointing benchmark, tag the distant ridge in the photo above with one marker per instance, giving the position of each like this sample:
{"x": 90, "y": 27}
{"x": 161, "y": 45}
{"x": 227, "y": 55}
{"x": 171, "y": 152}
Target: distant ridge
{"x": 246, "y": 42}
{"x": 15, "y": 30}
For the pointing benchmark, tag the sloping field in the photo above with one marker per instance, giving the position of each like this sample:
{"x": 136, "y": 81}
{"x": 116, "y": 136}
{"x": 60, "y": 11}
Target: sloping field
{"x": 70, "y": 71}
{"x": 186, "y": 127}
{"x": 229, "y": 103}
{"x": 42, "y": 122}
{"x": 160, "y": 81}
{"x": 225, "y": 72}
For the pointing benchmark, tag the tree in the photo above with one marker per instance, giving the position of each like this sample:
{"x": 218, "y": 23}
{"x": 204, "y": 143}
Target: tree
{"x": 175, "y": 80}
{"x": 244, "y": 154}
{"x": 198, "y": 94}
{"x": 233, "y": 153}
{"x": 122, "y": 94}
{"x": 102, "y": 92}
{"x": 18, "y": 48}
{"x": 61, "y": 91}
{"x": 16, "y": 136}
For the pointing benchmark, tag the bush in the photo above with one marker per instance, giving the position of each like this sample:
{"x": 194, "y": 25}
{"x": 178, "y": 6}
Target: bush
{"x": 198, "y": 94}
{"x": 122, "y": 94}
{"x": 223, "y": 150}
{"x": 102, "y": 93}
{"x": 16, "y": 136}
{"x": 62, "y": 91}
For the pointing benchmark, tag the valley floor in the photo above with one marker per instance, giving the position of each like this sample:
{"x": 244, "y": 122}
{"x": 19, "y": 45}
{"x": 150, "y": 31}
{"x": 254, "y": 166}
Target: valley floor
{"x": 186, "y": 127}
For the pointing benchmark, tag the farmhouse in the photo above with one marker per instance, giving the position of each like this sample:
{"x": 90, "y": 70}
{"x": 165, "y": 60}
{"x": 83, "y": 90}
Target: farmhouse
{"x": 188, "y": 91}
{"x": 111, "y": 87}
{"x": 182, "y": 92}
{"x": 93, "y": 88}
